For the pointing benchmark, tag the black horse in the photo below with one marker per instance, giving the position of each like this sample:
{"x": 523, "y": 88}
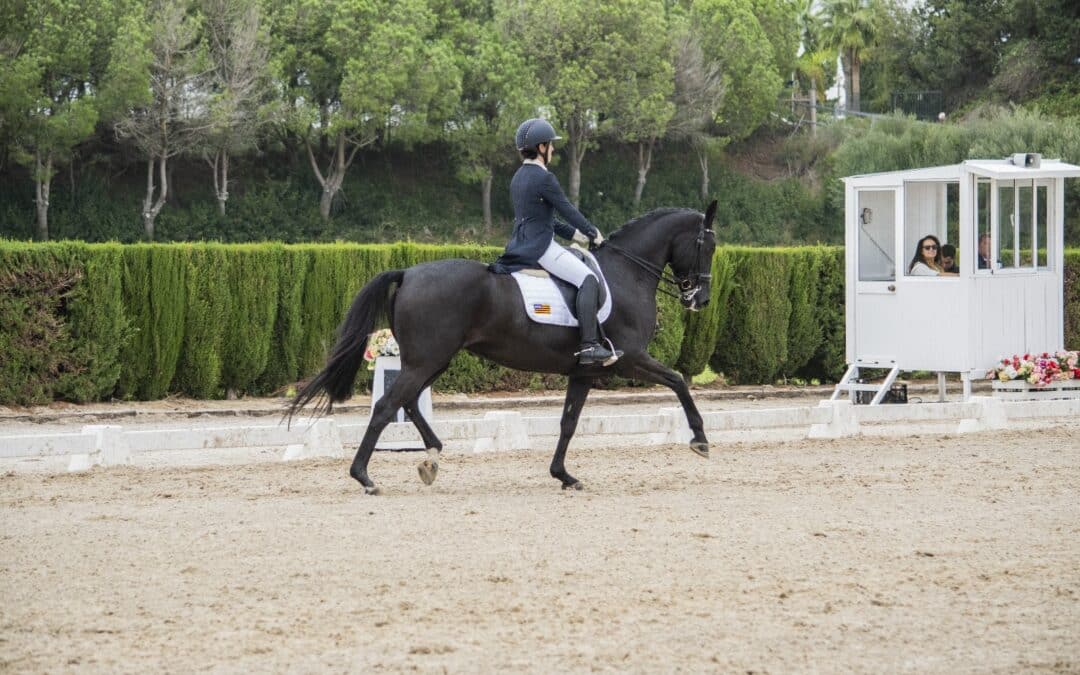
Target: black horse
{"x": 442, "y": 307}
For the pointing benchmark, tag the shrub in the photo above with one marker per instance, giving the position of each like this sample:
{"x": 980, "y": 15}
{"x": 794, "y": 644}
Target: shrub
{"x": 804, "y": 330}
{"x": 253, "y": 273}
{"x": 829, "y": 359}
{"x": 208, "y": 305}
{"x": 754, "y": 344}
{"x": 154, "y": 290}
{"x": 97, "y": 321}
{"x": 1072, "y": 299}
{"x": 283, "y": 363}
{"x": 35, "y": 341}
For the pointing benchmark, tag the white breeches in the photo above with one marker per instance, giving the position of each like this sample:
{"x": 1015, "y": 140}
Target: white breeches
{"x": 563, "y": 264}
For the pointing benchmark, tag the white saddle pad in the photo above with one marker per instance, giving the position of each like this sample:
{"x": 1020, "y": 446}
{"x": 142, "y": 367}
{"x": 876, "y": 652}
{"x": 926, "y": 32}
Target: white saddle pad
{"x": 545, "y": 304}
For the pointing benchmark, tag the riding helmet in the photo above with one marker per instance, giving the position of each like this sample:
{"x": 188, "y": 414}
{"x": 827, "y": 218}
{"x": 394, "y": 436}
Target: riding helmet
{"x": 533, "y": 132}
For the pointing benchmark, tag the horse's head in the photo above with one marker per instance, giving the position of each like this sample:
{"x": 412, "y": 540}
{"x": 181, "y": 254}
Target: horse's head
{"x": 691, "y": 257}
{"x": 680, "y": 238}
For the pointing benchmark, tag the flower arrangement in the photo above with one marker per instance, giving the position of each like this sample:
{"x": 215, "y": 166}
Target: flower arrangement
{"x": 380, "y": 343}
{"x": 1038, "y": 369}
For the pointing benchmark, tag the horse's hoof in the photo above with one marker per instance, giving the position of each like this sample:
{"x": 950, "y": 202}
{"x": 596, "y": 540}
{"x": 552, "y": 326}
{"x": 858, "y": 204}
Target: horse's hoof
{"x": 701, "y": 449}
{"x": 373, "y": 490}
{"x": 428, "y": 470}
{"x": 576, "y": 485}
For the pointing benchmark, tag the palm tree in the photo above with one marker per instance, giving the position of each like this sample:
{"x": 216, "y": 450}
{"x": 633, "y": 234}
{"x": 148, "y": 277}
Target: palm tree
{"x": 849, "y": 29}
{"x": 813, "y": 57}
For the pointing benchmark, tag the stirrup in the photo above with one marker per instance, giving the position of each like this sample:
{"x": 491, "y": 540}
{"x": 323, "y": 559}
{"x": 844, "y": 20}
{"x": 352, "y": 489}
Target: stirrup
{"x": 595, "y": 352}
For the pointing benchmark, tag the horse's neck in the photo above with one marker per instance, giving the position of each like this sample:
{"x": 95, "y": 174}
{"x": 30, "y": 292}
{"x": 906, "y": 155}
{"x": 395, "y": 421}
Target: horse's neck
{"x": 626, "y": 275}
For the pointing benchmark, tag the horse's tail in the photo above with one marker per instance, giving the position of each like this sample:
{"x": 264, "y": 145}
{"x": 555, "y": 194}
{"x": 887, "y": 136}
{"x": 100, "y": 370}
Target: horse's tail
{"x": 336, "y": 380}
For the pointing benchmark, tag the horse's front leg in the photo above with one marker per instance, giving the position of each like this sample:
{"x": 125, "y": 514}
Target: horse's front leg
{"x": 576, "y": 392}
{"x": 644, "y": 367}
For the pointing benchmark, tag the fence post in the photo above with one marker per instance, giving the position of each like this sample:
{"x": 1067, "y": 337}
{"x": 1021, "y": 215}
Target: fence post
{"x": 842, "y": 423}
{"x": 110, "y": 448}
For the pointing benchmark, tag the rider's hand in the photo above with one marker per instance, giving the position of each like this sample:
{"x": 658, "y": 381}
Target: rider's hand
{"x": 580, "y": 237}
{"x": 597, "y": 240}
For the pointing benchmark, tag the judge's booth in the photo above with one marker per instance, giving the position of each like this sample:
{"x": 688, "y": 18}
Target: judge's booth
{"x": 1005, "y": 219}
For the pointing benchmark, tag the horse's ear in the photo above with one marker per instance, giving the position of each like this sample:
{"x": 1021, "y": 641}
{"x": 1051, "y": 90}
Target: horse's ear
{"x": 710, "y": 213}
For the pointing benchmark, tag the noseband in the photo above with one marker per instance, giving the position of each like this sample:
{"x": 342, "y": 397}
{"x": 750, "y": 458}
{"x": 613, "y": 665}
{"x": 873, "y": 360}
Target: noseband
{"x": 689, "y": 285}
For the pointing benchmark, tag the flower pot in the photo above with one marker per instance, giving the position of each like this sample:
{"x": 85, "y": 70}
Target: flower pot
{"x": 387, "y": 369}
{"x": 1022, "y": 390}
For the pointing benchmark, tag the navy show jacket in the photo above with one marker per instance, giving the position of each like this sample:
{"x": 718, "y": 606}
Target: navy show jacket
{"x": 537, "y": 195}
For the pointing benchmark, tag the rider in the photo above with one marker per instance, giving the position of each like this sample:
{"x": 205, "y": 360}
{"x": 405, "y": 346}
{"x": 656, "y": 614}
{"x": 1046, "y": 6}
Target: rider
{"x": 536, "y": 194}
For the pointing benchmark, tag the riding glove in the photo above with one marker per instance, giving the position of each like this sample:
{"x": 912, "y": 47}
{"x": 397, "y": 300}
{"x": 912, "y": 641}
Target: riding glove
{"x": 580, "y": 237}
{"x": 598, "y": 239}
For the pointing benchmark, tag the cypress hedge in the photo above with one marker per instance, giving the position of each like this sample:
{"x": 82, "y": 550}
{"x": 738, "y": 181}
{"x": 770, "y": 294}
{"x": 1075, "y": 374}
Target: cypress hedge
{"x": 1072, "y": 299}
{"x": 828, "y": 360}
{"x": 85, "y": 322}
{"x": 253, "y": 276}
{"x": 35, "y": 341}
{"x": 283, "y": 359}
{"x": 754, "y": 344}
{"x": 208, "y": 306}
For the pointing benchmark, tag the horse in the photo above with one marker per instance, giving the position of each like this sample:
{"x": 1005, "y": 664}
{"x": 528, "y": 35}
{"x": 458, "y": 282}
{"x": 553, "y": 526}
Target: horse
{"x": 437, "y": 308}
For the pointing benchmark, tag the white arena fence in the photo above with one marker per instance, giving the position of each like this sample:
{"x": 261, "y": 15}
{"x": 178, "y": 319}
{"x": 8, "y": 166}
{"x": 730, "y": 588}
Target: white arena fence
{"x": 112, "y": 445}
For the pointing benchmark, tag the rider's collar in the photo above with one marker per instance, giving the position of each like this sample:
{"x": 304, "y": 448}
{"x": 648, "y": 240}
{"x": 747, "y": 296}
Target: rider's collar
{"x": 537, "y": 162}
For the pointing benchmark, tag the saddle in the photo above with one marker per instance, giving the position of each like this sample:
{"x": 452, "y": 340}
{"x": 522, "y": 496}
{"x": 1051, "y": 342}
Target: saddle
{"x": 551, "y": 300}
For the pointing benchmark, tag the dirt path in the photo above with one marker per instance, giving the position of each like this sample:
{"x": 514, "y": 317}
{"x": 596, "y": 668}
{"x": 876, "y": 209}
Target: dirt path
{"x": 955, "y": 554}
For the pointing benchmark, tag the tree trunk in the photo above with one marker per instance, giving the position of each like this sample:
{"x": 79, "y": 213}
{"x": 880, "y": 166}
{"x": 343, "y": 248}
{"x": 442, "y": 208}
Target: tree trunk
{"x": 335, "y": 173}
{"x": 856, "y": 99}
{"x": 152, "y": 206}
{"x": 575, "y": 147}
{"x": 42, "y": 184}
{"x": 703, "y": 162}
{"x": 846, "y": 61}
{"x": 813, "y": 107}
{"x": 221, "y": 187}
{"x": 485, "y": 189}
{"x": 644, "y": 163}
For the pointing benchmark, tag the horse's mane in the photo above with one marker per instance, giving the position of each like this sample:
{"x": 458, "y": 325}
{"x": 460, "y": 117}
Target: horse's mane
{"x": 642, "y": 221}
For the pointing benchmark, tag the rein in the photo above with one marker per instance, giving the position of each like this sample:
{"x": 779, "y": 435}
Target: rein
{"x": 688, "y": 286}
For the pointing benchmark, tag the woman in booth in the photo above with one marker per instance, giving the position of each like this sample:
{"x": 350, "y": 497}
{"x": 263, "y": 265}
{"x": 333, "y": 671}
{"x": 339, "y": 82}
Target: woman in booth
{"x": 927, "y": 259}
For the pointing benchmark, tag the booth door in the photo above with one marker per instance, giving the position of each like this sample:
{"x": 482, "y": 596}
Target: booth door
{"x": 875, "y": 317}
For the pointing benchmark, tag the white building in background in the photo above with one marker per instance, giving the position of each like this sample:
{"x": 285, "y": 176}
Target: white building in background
{"x": 1010, "y": 304}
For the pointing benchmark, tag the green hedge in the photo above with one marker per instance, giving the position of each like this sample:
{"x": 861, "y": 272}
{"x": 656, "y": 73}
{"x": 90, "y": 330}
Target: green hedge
{"x": 85, "y": 322}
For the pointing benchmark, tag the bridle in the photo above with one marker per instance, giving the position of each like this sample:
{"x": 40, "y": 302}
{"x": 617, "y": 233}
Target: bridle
{"x": 689, "y": 285}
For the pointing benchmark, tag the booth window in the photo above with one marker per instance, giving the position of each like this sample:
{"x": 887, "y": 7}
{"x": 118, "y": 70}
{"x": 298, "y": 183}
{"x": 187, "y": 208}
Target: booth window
{"x": 931, "y": 208}
{"x": 1042, "y": 211}
{"x": 876, "y": 221}
{"x": 983, "y": 228}
{"x": 1023, "y": 210}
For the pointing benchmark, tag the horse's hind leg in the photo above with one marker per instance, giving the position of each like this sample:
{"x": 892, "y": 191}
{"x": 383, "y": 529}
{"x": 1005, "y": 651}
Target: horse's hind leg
{"x": 429, "y": 468}
{"x": 406, "y": 388}
{"x": 576, "y": 392}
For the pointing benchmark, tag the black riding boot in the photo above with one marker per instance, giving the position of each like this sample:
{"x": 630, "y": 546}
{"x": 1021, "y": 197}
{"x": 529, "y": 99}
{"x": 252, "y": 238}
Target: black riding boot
{"x": 591, "y": 351}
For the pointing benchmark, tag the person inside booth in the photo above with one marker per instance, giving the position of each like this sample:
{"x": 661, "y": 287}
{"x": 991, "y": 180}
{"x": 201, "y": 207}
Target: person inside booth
{"x": 927, "y": 259}
{"x": 984, "y": 251}
{"x": 948, "y": 258}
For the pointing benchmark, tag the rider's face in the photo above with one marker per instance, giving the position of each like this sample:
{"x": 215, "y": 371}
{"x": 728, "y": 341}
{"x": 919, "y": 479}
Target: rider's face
{"x": 549, "y": 150}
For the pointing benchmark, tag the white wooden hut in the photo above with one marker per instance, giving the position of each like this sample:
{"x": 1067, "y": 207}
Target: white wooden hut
{"x": 1008, "y": 301}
